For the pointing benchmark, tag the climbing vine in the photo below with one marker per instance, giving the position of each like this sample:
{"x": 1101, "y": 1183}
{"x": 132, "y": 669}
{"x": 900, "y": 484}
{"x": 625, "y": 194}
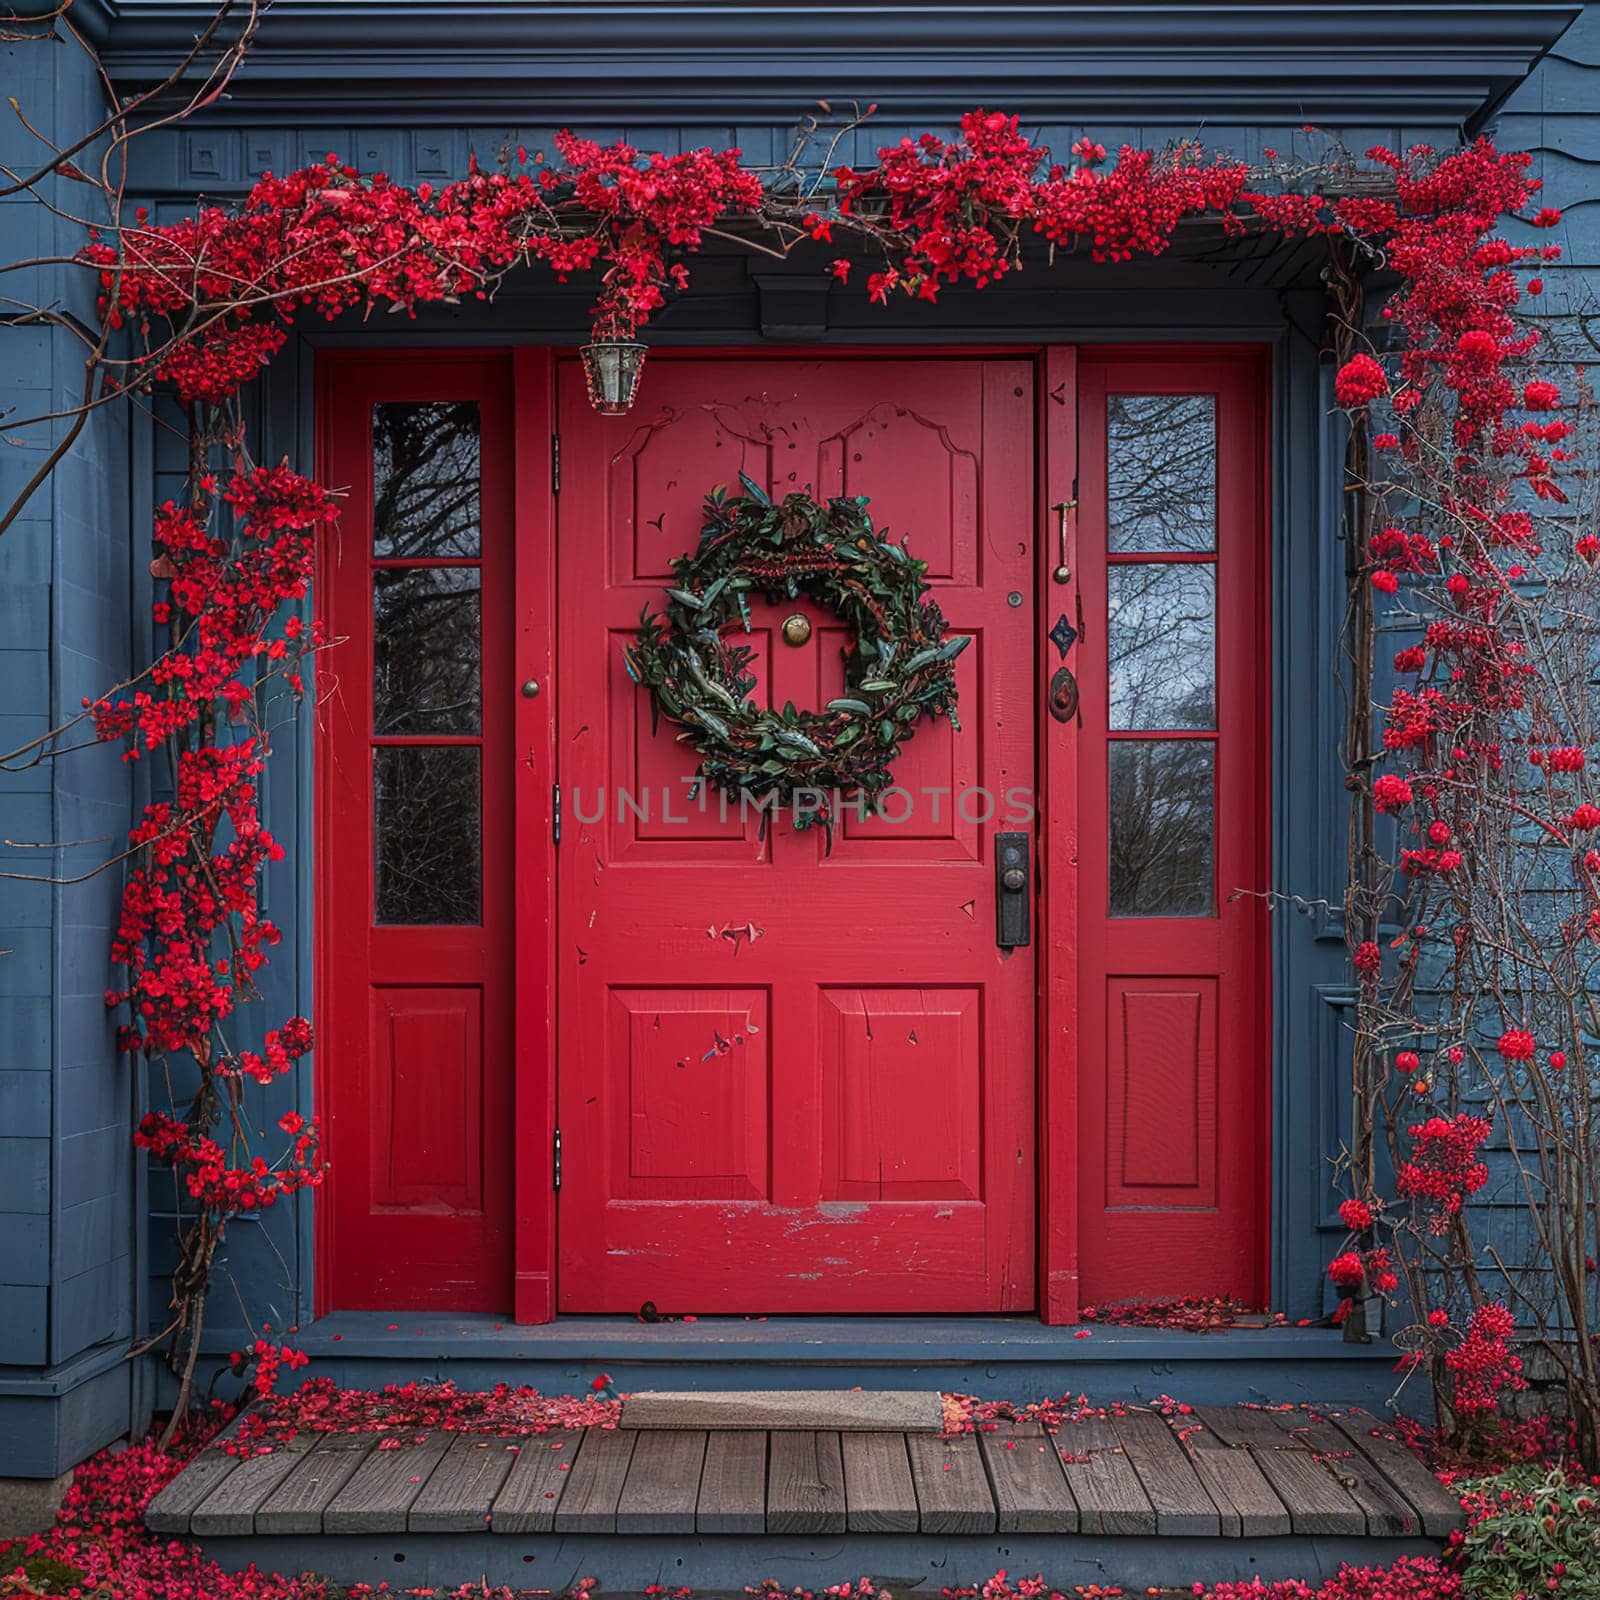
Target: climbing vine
{"x": 1468, "y": 456}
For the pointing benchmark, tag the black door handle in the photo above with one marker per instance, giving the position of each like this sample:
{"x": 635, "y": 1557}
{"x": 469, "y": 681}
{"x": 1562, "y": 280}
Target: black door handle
{"x": 1012, "y": 890}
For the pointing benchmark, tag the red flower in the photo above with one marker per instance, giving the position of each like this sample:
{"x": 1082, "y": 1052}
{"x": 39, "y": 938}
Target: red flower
{"x": 1390, "y": 792}
{"x": 1360, "y": 381}
{"x": 1483, "y": 1363}
{"x": 1517, "y": 1044}
{"x": 1346, "y": 1270}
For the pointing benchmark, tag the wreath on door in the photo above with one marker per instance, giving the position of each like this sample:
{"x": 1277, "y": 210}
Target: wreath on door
{"x": 899, "y": 666}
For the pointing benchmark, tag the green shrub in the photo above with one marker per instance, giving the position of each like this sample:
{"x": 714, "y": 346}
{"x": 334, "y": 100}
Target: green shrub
{"x": 1531, "y": 1534}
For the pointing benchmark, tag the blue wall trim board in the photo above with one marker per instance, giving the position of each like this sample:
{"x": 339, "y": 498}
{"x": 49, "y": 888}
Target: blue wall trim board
{"x": 85, "y": 1229}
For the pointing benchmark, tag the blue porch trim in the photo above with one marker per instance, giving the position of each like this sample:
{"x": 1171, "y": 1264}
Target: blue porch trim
{"x": 691, "y": 65}
{"x": 1011, "y": 1358}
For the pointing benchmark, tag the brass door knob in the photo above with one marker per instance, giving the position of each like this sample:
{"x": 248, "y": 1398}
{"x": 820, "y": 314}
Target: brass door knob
{"x": 1013, "y": 878}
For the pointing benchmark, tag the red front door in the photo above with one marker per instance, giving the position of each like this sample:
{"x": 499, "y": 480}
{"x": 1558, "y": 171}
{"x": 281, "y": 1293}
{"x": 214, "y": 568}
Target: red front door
{"x": 790, "y": 1081}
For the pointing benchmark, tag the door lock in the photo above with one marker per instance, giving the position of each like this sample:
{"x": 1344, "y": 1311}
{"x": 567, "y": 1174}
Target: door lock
{"x": 1012, "y": 911}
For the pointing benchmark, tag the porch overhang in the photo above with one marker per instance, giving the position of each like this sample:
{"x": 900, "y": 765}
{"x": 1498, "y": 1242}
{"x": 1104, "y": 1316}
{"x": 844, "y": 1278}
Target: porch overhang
{"x": 717, "y": 63}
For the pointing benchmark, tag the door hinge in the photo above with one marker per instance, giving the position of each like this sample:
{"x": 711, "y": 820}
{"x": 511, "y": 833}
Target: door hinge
{"x": 555, "y": 463}
{"x": 556, "y": 1163}
{"x": 555, "y": 812}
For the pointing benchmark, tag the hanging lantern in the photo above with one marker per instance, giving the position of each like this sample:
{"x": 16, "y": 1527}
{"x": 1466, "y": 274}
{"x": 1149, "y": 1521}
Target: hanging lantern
{"x": 611, "y": 368}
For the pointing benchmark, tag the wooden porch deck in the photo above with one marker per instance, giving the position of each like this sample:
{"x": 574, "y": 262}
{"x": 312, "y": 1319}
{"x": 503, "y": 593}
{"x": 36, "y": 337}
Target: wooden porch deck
{"x": 1312, "y": 1481}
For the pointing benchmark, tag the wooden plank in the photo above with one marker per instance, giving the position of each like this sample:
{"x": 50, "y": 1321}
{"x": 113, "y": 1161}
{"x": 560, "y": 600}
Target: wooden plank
{"x": 594, "y": 1485}
{"x": 534, "y": 1487}
{"x": 1388, "y": 1514}
{"x": 875, "y": 1410}
{"x": 1181, "y": 1503}
{"x": 298, "y": 1503}
{"x": 230, "y": 1508}
{"x": 456, "y": 1499}
{"x": 733, "y": 1483}
{"x": 1315, "y": 1502}
{"x": 805, "y": 1483}
{"x": 662, "y": 1488}
{"x": 1246, "y": 1427}
{"x": 1246, "y": 1504}
{"x": 171, "y": 1510}
{"x": 1439, "y": 1510}
{"x": 878, "y": 1493}
{"x": 378, "y": 1495}
{"x": 1107, "y": 1490}
{"x": 1030, "y": 1489}
{"x": 953, "y": 1494}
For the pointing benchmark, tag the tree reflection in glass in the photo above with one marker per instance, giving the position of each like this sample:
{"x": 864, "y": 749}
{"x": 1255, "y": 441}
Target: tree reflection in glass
{"x": 1161, "y": 642}
{"x": 1163, "y": 805}
{"x": 1161, "y": 461}
{"x": 426, "y": 646}
{"x": 425, "y": 479}
{"x": 427, "y": 833}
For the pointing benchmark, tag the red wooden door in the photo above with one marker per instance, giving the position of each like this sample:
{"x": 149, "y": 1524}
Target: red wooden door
{"x": 1174, "y": 1044}
{"x": 414, "y": 1053}
{"x": 791, "y": 1081}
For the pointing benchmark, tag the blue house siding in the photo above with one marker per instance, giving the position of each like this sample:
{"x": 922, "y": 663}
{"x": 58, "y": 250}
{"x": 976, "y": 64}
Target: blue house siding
{"x": 86, "y": 1235}
{"x": 1555, "y": 115}
{"x": 68, "y": 1224}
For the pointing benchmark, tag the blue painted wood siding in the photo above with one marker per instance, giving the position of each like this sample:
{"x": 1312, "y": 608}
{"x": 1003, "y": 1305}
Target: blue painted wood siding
{"x": 1555, "y": 115}
{"x": 68, "y": 1219}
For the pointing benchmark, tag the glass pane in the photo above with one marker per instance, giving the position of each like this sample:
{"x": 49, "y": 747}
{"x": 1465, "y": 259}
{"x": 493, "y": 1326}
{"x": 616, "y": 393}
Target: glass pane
{"x": 1162, "y": 641}
{"x": 425, "y": 648}
{"x": 425, "y": 478}
{"x": 427, "y": 827}
{"x": 1161, "y": 471}
{"x": 1163, "y": 803}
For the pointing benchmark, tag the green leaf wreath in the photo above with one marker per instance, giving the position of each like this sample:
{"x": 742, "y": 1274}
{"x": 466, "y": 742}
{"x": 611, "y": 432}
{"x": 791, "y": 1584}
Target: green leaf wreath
{"x": 899, "y": 668}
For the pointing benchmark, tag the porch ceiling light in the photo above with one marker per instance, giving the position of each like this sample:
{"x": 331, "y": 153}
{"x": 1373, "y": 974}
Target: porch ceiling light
{"x": 611, "y": 368}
